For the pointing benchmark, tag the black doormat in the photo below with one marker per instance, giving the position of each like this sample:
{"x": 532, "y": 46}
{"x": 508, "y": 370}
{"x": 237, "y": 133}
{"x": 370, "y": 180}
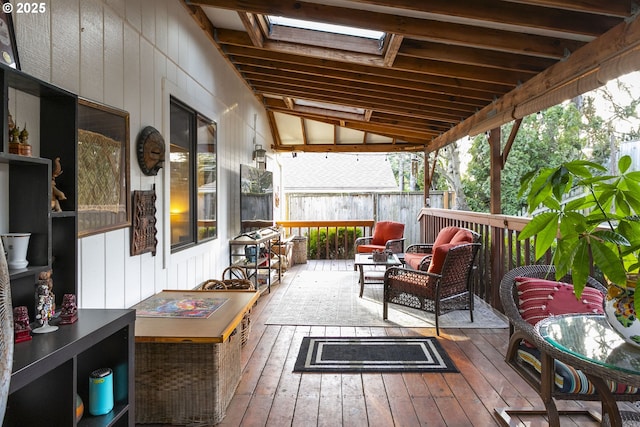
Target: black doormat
{"x": 372, "y": 354}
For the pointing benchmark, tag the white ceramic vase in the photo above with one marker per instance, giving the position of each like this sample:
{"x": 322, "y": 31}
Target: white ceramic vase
{"x": 16, "y": 245}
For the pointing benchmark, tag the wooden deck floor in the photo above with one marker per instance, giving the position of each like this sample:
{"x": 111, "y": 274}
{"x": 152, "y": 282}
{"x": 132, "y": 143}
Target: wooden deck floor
{"x": 270, "y": 394}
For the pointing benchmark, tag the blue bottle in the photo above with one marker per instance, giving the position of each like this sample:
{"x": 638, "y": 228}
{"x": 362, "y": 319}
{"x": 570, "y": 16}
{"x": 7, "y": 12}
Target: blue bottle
{"x": 101, "y": 391}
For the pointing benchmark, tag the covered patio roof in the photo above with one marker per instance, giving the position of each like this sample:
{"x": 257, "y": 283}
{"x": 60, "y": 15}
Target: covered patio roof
{"x": 441, "y": 70}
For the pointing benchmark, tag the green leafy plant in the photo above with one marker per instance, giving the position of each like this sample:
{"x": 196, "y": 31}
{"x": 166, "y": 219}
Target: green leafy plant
{"x": 318, "y": 243}
{"x": 600, "y": 226}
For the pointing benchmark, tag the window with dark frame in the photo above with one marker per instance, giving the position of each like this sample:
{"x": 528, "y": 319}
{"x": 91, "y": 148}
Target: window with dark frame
{"x": 193, "y": 177}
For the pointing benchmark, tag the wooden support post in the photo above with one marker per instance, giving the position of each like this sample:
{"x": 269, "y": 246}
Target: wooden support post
{"x": 495, "y": 207}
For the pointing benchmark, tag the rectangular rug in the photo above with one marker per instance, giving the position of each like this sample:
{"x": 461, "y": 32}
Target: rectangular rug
{"x": 372, "y": 354}
{"x": 330, "y": 298}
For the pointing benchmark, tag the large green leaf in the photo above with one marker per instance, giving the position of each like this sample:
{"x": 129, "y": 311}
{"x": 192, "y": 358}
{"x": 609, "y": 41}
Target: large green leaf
{"x": 584, "y": 202}
{"x": 608, "y": 261}
{"x": 635, "y": 176}
{"x": 580, "y": 267}
{"x": 540, "y": 189}
{"x": 581, "y": 168}
{"x": 612, "y": 237}
{"x": 564, "y": 255}
{"x": 624, "y": 163}
{"x": 538, "y": 223}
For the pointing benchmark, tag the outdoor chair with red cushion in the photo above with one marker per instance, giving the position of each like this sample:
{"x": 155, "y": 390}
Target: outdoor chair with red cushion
{"x": 418, "y": 256}
{"x": 386, "y": 235}
{"x": 444, "y": 285}
{"x": 528, "y": 295}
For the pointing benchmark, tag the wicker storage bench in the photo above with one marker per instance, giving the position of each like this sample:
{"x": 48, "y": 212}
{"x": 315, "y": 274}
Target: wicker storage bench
{"x": 187, "y": 369}
{"x": 186, "y": 383}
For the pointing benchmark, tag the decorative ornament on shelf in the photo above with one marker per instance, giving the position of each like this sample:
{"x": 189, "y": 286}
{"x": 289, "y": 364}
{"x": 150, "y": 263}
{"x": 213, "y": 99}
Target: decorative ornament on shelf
{"x": 21, "y": 327}
{"x": 45, "y": 304}
{"x": 599, "y": 228}
{"x": 14, "y": 136}
{"x": 25, "y": 148}
{"x": 56, "y": 195}
{"x": 69, "y": 310}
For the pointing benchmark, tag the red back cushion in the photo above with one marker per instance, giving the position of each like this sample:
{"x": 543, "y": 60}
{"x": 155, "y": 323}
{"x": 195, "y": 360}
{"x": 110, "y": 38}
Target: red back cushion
{"x": 439, "y": 255}
{"x": 445, "y": 235}
{"x": 462, "y": 236}
{"x": 539, "y": 299}
{"x": 387, "y": 230}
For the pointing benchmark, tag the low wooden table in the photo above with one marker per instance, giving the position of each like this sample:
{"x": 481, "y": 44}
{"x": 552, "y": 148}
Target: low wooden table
{"x": 363, "y": 260}
{"x": 187, "y": 369}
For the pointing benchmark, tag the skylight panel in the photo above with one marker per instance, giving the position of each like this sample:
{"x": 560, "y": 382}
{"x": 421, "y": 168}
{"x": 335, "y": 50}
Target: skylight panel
{"x": 327, "y": 106}
{"x": 327, "y": 28}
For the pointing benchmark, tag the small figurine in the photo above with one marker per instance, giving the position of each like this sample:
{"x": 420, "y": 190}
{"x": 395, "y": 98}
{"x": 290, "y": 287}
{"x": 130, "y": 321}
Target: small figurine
{"x": 69, "y": 310}
{"x": 11, "y": 125}
{"x": 14, "y": 138}
{"x": 56, "y": 195}
{"x": 25, "y": 148}
{"x": 44, "y": 310}
{"x": 21, "y": 327}
{"x": 44, "y": 278}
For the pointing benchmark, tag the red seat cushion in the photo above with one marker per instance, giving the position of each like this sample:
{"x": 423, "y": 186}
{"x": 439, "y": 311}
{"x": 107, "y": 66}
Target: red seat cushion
{"x": 412, "y": 259}
{"x": 366, "y": 249}
{"x": 539, "y": 299}
{"x": 385, "y": 231}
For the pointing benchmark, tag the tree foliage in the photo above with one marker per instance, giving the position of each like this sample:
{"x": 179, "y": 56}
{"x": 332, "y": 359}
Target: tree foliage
{"x": 559, "y": 134}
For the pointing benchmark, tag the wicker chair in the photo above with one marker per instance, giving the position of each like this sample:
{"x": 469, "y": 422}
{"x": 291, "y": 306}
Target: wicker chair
{"x": 387, "y": 235}
{"x": 544, "y": 381}
{"x": 435, "y": 290}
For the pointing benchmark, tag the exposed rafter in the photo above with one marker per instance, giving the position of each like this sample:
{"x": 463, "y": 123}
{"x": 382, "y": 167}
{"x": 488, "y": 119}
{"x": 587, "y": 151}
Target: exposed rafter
{"x": 444, "y": 69}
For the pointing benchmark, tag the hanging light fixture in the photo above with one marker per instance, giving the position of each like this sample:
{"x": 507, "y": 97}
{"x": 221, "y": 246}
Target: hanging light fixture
{"x": 259, "y": 153}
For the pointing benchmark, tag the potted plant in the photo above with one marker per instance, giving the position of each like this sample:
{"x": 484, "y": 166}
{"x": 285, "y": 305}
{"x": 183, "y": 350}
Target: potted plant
{"x": 600, "y": 226}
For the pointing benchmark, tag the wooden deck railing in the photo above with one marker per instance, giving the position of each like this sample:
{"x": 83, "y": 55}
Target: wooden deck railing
{"x": 329, "y": 239}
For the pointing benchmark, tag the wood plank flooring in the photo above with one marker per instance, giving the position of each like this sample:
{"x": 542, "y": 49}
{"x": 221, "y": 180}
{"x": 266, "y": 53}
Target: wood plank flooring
{"x": 270, "y": 394}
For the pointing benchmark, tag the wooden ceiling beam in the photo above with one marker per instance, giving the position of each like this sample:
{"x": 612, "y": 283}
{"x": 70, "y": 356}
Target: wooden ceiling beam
{"x": 392, "y": 48}
{"x": 250, "y": 24}
{"x": 468, "y": 56}
{"x": 523, "y": 17}
{"x": 377, "y": 127}
{"x": 440, "y": 114}
{"x": 464, "y": 95}
{"x": 409, "y": 126}
{"x": 415, "y": 65}
{"x": 358, "y": 89}
{"x": 419, "y": 75}
{"x": 619, "y": 8}
{"x": 352, "y": 148}
{"x": 430, "y": 29}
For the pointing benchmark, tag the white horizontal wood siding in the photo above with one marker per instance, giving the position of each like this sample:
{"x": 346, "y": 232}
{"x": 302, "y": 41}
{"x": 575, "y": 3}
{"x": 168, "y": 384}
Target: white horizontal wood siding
{"x": 119, "y": 53}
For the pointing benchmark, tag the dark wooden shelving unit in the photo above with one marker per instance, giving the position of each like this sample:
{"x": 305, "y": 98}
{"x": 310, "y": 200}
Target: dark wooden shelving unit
{"x": 52, "y": 369}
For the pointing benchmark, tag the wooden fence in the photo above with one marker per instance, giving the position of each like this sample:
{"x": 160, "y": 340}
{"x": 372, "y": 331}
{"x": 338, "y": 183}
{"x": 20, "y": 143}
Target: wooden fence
{"x": 340, "y": 207}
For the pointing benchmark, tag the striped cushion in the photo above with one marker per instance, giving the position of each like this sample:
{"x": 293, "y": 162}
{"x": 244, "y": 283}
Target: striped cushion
{"x": 540, "y": 298}
{"x": 568, "y": 379}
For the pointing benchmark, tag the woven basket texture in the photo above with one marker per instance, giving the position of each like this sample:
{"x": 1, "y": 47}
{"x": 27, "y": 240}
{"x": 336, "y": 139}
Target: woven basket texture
{"x": 237, "y": 280}
{"x": 186, "y": 383}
